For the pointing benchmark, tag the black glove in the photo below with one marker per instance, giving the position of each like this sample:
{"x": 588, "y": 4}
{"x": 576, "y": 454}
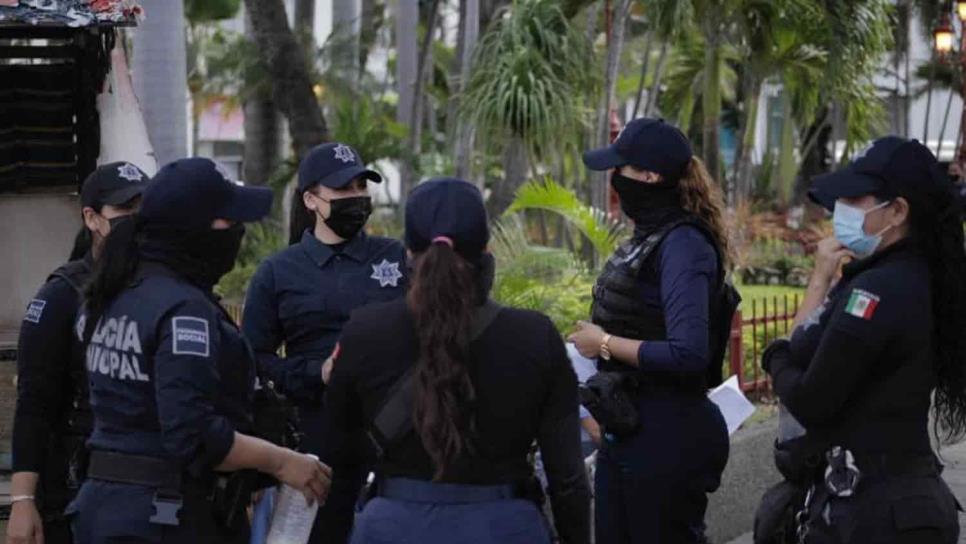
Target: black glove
{"x": 775, "y": 353}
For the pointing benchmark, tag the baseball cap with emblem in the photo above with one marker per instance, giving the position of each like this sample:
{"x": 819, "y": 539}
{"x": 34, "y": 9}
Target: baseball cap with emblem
{"x": 450, "y": 209}
{"x": 113, "y": 184}
{"x": 333, "y": 165}
{"x": 649, "y": 144}
{"x": 889, "y": 167}
{"x": 191, "y": 193}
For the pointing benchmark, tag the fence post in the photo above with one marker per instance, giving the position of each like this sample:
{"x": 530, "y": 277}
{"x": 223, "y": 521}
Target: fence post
{"x": 737, "y": 349}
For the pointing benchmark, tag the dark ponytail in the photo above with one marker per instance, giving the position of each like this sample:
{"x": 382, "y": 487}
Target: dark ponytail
{"x": 82, "y": 244}
{"x": 300, "y": 218}
{"x": 113, "y": 270}
{"x": 939, "y": 234}
{"x": 442, "y": 297}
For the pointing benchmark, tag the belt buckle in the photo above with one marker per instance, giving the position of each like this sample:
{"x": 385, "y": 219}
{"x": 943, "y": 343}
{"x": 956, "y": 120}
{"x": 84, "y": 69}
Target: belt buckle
{"x": 166, "y": 508}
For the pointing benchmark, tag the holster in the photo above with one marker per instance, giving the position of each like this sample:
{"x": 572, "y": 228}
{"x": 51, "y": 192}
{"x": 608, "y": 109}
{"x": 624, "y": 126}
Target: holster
{"x": 231, "y": 495}
{"x": 775, "y": 517}
{"x": 608, "y": 397}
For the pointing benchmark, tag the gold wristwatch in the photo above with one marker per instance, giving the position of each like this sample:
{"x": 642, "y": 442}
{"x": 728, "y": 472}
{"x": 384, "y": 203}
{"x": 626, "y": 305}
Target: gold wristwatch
{"x": 605, "y": 348}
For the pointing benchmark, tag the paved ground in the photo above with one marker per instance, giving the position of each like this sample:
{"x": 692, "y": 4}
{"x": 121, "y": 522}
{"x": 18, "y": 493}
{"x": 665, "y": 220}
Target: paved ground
{"x": 955, "y": 474}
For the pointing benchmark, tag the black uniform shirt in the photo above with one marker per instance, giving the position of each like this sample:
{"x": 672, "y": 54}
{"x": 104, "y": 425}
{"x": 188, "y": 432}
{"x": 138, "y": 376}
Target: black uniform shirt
{"x": 859, "y": 372}
{"x": 525, "y": 389}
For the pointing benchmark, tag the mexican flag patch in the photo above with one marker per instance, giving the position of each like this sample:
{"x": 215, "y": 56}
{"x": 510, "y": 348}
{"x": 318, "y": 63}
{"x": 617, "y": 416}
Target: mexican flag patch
{"x": 862, "y": 304}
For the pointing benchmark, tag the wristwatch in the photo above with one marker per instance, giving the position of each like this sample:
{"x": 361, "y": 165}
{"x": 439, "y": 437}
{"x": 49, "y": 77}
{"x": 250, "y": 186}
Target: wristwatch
{"x": 605, "y": 348}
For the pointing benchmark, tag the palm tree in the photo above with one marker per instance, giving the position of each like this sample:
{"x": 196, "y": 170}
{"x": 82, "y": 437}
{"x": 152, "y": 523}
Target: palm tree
{"x": 528, "y": 89}
{"x": 160, "y": 78}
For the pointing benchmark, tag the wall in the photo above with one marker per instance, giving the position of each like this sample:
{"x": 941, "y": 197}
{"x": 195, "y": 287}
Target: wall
{"x": 36, "y": 236}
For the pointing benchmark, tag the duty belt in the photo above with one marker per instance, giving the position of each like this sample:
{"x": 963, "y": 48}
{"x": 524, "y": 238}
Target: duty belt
{"x": 160, "y": 474}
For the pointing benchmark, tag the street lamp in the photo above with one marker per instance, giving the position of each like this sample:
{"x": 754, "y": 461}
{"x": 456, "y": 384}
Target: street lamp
{"x": 944, "y": 34}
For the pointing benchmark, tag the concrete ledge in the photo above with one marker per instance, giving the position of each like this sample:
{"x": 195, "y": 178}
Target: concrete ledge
{"x": 750, "y": 471}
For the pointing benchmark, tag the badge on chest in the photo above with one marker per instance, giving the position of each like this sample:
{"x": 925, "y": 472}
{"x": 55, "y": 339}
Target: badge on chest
{"x": 386, "y": 273}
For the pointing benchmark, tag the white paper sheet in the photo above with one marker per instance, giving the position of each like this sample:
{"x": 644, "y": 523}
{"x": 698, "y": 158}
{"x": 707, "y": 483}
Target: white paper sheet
{"x": 733, "y": 404}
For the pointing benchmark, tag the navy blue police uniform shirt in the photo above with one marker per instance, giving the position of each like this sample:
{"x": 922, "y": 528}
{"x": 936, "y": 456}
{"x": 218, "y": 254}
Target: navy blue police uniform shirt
{"x": 680, "y": 284}
{"x": 170, "y": 375}
{"x": 46, "y": 349}
{"x": 302, "y": 296}
{"x": 859, "y": 370}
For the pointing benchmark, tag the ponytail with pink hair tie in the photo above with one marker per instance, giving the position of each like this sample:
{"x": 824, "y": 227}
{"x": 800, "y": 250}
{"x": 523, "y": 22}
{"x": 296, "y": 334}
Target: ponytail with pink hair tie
{"x": 444, "y": 240}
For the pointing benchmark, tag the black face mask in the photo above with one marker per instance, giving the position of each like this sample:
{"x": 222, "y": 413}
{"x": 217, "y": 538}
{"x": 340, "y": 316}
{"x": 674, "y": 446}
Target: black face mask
{"x": 643, "y": 202}
{"x": 203, "y": 256}
{"x": 115, "y": 221}
{"x": 347, "y": 216}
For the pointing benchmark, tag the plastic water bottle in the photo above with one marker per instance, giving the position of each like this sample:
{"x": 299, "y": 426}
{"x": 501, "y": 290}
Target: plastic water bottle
{"x": 293, "y": 517}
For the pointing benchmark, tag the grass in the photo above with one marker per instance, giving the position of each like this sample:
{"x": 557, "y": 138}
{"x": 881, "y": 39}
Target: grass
{"x": 758, "y": 292}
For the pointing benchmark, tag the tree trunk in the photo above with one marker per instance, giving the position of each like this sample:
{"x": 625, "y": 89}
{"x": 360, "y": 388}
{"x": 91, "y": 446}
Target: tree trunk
{"x": 373, "y": 18}
{"x": 160, "y": 78}
{"x": 614, "y": 46}
{"x": 407, "y": 64}
{"x": 654, "y": 92}
{"x": 263, "y": 136}
{"x": 786, "y": 157}
{"x": 639, "y": 95}
{"x": 470, "y": 32}
{"x": 743, "y": 163}
{"x": 287, "y": 67}
{"x": 711, "y": 105}
{"x": 304, "y": 17}
{"x": 414, "y": 140}
{"x": 346, "y": 25}
{"x": 515, "y": 166}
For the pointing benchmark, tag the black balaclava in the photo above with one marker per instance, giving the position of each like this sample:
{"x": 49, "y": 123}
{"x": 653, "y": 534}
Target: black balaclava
{"x": 647, "y": 204}
{"x": 202, "y": 256}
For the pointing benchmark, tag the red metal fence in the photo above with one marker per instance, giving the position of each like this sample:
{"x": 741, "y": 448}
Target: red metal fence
{"x": 771, "y": 318}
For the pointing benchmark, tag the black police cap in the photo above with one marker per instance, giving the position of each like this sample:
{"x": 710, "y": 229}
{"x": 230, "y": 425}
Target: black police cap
{"x": 113, "y": 184}
{"x": 449, "y": 210}
{"x": 333, "y": 165}
{"x": 889, "y": 167}
{"x": 648, "y": 144}
{"x": 191, "y": 193}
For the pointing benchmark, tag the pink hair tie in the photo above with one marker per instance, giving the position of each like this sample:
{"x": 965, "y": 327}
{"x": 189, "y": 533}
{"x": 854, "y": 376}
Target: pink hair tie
{"x": 444, "y": 240}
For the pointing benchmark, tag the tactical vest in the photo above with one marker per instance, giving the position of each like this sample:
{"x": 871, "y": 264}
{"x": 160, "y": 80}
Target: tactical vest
{"x": 78, "y": 417}
{"x": 617, "y": 306}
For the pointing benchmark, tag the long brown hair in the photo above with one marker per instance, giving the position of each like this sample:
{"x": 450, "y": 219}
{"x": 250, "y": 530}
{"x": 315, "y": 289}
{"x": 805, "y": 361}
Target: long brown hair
{"x": 441, "y": 299}
{"x": 701, "y": 196}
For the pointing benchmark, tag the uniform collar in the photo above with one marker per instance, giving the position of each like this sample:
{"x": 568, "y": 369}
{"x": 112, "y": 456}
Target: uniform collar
{"x": 900, "y": 247}
{"x": 321, "y": 253}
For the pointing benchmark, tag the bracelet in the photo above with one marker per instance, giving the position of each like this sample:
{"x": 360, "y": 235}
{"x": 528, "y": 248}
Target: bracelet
{"x": 20, "y": 498}
{"x": 605, "y": 347}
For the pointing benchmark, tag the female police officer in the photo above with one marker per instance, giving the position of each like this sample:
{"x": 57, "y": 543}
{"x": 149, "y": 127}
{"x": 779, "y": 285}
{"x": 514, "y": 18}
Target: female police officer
{"x": 171, "y": 379}
{"x": 302, "y": 296}
{"x": 52, "y": 420}
{"x": 866, "y": 356}
{"x": 456, "y": 390}
{"x": 653, "y": 311}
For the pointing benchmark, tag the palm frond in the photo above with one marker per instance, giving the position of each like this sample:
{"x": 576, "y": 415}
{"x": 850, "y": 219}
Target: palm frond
{"x": 548, "y": 195}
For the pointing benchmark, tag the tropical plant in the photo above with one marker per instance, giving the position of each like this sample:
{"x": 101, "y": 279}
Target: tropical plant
{"x": 528, "y": 90}
{"x": 603, "y": 233}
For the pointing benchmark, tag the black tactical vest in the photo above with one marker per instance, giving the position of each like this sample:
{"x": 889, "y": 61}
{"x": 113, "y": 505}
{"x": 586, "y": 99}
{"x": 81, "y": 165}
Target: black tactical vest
{"x": 78, "y": 419}
{"x": 617, "y": 306}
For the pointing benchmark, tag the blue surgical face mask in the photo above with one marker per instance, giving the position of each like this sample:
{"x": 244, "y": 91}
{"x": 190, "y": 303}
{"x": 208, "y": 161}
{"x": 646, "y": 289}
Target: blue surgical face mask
{"x": 849, "y": 223}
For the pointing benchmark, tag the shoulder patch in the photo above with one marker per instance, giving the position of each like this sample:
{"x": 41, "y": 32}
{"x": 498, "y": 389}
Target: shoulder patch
{"x": 189, "y": 336}
{"x": 34, "y": 310}
{"x": 862, "y": 304}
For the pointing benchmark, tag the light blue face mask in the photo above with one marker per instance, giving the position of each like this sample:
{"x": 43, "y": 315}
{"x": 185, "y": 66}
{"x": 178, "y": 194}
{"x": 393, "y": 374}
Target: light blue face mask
{"x": 849, "y": 223}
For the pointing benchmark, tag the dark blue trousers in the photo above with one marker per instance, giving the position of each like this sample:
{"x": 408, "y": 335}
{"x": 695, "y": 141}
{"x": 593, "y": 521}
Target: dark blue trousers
{"x": 429, "y": 513}
{"x": 652, "y": 486}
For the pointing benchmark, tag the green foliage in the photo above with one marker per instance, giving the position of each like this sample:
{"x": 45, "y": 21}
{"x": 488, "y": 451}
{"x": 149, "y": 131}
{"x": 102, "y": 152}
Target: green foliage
{"x": 370, "y": 126}
{"x": 206, "y": 11}
{"x": 548, "y": 280}
{"x": 603, "y": 233}
{"x": 685, "y": 79}
{"x": 531, "y": 78}
{"x": 261, "y": 240}
{"x": 774, "y": 261}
